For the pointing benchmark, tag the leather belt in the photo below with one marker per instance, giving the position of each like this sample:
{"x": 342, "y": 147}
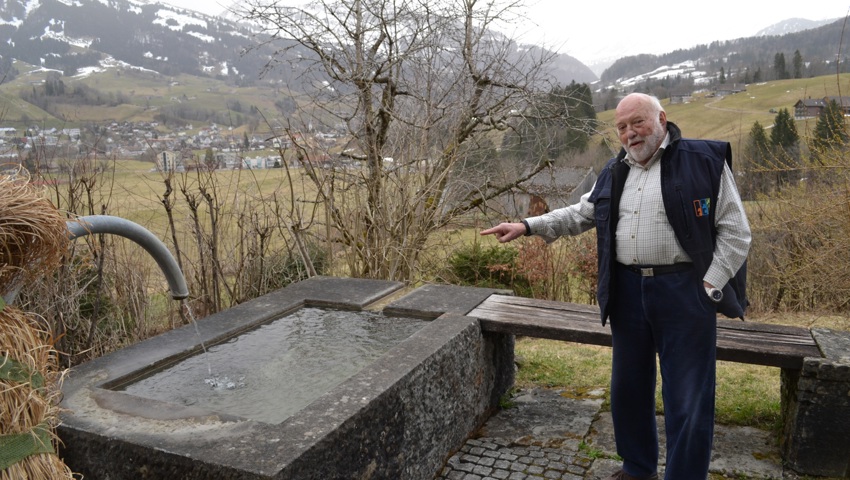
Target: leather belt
{"x": 653, "y": 270}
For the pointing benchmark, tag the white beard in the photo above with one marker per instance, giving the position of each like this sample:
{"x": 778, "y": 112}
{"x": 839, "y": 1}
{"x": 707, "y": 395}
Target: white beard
{"x": 644, "y": 151}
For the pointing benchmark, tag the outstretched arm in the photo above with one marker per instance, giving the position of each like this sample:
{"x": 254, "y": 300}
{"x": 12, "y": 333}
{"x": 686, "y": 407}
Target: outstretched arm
{"x": 571, "y": 220}
{"x": 505, "y": 232}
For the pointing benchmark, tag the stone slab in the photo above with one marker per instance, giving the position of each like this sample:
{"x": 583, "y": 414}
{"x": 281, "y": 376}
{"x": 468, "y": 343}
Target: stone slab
{"x": 543, "y": 417}
{"x": 834, "y": 344}
{"x": 431, "y": 301}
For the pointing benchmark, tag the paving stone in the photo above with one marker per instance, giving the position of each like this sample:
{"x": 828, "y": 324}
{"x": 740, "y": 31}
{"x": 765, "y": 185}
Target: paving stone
{"x": 482, "y": 470}
{"x": 508, "y": 456}
{"x": 455, "y": 475}
{"x": 518, "y": 467}
{"x": 530, "y": 442}
{"x": 535, "y": 470}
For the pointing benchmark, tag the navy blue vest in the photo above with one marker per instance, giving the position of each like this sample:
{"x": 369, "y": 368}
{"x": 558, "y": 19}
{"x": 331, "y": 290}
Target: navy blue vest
{"x": 690, "y": 183}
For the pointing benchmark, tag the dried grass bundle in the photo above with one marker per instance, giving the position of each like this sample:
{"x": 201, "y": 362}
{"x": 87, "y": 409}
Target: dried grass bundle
{"x": 33, "y": 233}
{"x": 29, "y": 396}
{"x": 33, "y": 239}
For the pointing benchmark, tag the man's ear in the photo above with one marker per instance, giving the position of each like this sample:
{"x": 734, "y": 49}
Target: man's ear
{"x": 662, "y": 117}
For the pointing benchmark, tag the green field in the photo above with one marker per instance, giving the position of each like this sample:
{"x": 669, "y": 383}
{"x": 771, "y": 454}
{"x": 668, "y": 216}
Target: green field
{"x": 730, "y": 118}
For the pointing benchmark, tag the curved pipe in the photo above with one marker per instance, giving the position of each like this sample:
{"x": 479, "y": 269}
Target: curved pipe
{"x": 118, "y": 226}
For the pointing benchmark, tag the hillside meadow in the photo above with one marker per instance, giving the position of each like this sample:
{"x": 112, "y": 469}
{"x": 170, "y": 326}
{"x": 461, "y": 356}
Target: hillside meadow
{"x": 730, "y": 118}
{"x": 146, "y": 93}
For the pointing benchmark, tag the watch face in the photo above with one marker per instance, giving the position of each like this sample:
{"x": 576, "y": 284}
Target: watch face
{"x": 716, "y": 295}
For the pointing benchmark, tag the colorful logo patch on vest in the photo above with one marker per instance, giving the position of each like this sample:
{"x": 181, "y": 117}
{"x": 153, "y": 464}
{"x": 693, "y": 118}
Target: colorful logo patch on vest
{"x": 701, "y": 207}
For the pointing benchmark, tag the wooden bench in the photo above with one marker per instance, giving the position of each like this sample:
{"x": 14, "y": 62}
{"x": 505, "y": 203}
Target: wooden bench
{"x": 737, "y": 341}
{"x": 814, "y": 369}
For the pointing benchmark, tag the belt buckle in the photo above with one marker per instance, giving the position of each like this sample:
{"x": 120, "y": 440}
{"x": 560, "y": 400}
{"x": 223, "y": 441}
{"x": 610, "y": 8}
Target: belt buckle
{"x": 647, "y": 272}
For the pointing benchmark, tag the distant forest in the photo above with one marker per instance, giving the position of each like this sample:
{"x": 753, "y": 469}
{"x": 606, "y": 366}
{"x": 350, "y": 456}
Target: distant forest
{"x": 809, "y": 53}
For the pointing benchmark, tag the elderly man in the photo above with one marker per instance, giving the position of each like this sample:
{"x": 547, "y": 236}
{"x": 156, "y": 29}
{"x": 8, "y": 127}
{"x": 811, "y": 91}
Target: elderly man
{"x": 672, "y": 237}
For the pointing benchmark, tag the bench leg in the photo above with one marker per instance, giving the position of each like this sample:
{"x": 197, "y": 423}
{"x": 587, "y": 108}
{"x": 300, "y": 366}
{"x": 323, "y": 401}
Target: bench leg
{"x": 816, "y": 414}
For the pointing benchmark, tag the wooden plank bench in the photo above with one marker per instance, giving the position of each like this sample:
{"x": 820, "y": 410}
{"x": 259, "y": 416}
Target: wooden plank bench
{"x": 815, "y": 384}
{"x": 737, "y": 341}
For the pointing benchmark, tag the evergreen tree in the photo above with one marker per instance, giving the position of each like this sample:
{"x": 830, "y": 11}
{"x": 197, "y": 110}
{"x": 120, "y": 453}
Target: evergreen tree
{"x": 757, "y": 76}
{"x": 830, "y": 131}
{"x": 722, "y": 75}
{"x": 786, "y": 152}
{"x": 784, "y": 133}
{"x": 757, "y": 155}
{"x": 610, "y": 99}
{"x": 779, "y": 69}
{"x": 798, "y": 64}
{"x": 759, "y": 141}
{"x": 209, "y": 159}
{"x": 560, "y": 124}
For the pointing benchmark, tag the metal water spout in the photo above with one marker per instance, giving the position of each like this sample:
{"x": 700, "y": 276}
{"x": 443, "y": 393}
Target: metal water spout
{"x": 93, "y": 224}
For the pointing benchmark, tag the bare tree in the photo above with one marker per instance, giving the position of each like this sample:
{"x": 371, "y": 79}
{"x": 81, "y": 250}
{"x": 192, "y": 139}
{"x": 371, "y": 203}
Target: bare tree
{"x": 422, "y": 89}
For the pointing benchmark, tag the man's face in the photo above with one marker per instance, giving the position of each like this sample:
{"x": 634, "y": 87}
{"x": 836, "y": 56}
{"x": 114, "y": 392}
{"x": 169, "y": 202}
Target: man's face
{"x": 641, "y": 131}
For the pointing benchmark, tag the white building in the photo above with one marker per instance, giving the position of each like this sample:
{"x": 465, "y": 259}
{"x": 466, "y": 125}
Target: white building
{"x": 169, "y": 162}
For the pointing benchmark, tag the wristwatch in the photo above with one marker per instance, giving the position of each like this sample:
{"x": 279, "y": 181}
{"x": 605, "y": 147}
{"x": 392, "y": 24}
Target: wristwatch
{"x": 714, "y": 294}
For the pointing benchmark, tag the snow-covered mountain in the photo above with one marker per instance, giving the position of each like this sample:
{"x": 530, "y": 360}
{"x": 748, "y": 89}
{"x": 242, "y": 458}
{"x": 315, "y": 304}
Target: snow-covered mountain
{"x": 792, "y": 25}
{"x": 70, "y": 35}
{"x": 607, "y": 54}
{"x": 74, "y": 36}
{"x": 740, "y": 60}
{"x": 78, "y": 36}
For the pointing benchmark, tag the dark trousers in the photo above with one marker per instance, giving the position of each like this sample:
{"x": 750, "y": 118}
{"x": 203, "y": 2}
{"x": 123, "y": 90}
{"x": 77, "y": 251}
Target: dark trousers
{"x": 672, "y": 316}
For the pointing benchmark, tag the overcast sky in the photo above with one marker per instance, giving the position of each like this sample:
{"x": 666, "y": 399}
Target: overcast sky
{"x": 593, "y": 31}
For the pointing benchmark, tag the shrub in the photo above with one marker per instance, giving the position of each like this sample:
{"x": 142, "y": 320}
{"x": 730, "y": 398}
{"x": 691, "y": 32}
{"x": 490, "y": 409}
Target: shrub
{"x": 492, "y": 267}
{"x": 563, "y": 271}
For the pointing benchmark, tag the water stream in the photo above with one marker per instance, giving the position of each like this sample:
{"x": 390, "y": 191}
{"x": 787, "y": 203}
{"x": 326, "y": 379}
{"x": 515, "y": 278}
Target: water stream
{"x": 191, "y": 314}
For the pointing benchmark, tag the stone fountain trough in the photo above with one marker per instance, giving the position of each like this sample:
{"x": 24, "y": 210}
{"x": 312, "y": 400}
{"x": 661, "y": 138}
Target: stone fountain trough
{"x": 397, "y": 418}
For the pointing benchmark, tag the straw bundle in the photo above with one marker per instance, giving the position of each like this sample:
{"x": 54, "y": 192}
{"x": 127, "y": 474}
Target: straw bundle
{"x": 33, "y": 238}
{"x": 33, "y": 234}
{"x": 29, "y": 396}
